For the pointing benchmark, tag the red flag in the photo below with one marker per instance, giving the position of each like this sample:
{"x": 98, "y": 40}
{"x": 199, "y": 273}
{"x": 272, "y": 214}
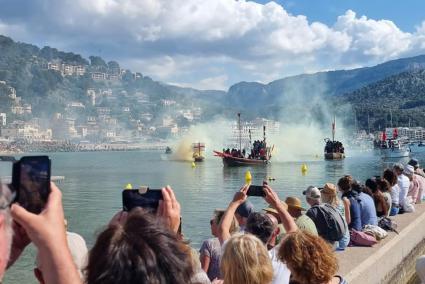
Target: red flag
{"x": 384, "y": 136}
{"x": 395, "y": 133}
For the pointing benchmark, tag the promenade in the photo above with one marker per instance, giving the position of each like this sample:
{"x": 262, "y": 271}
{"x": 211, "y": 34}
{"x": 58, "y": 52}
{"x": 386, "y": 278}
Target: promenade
{"x": 392, "y": 260}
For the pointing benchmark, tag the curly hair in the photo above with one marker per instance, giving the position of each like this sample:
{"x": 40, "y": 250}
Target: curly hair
{"x": 309, "y": 258}
{"x": 245, "y": 260}
{"x": 345, "y": 183}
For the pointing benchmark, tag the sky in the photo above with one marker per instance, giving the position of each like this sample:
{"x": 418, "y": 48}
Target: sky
{"x": 212, "y": 44}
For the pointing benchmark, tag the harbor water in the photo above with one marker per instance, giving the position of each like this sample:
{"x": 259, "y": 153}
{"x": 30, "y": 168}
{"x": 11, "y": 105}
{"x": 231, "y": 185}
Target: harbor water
{"x": 94, "y": 181}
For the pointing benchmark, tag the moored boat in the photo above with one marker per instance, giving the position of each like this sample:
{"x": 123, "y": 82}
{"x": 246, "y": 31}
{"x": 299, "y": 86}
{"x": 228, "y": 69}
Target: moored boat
{"x": 392, "y": 147}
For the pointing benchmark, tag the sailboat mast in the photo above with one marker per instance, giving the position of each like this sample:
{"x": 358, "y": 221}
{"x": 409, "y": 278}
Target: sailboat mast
{"x": 333, "y": 129}
{"x": 240, "y": 131}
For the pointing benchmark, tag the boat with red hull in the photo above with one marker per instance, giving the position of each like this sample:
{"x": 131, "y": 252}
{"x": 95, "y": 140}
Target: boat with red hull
{"x": 259, "y": 155}
{"x": 230, "y": 161}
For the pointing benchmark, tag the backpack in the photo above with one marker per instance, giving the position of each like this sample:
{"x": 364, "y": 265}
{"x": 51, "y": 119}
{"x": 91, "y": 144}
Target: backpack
{"x": 329, "y": 222}
{"x": 388, "y": 224}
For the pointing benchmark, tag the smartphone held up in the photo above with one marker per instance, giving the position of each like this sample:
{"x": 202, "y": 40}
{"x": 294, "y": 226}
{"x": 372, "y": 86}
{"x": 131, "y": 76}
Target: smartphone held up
{"x": 31, "y": 182}
{"x": 143, "y": 197}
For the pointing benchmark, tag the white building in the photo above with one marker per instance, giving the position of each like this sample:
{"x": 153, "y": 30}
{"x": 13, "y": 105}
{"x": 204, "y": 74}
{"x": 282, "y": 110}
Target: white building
{"x": 2, "y": 119}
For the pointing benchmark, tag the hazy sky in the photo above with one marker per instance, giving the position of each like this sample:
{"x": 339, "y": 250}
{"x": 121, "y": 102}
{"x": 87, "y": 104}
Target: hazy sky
{"x": 211, "y": 44}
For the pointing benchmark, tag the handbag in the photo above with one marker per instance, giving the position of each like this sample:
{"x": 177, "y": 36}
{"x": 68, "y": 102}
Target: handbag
{"x": 358, "y": 238}
{"x": 375, "y": 231}
{"x": 388, "y": 224}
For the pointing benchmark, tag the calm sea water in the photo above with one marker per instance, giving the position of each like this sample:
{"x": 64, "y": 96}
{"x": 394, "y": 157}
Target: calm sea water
{"x": 94, "y": 181}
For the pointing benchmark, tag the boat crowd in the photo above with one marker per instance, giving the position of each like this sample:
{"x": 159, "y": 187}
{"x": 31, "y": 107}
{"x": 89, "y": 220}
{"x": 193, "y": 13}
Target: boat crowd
{"x": 258, "y": 151}
{"x": 283, "y": 243}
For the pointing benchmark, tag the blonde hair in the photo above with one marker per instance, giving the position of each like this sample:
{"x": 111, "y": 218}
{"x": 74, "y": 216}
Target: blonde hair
{"x": 218, "y": 215}
{"x": 330, "y": 199}
{"x": 245, "y": 260}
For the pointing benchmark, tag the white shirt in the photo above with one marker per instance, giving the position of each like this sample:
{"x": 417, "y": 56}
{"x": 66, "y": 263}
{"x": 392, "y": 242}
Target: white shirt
{"x": 395, "y": 194}
{"x": 404, "y": 184}
{"x": 281, "y": 272}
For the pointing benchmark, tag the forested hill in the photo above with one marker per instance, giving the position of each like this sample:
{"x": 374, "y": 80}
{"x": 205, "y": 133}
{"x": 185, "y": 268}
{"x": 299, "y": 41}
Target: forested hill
{"x": 401, "y": 95}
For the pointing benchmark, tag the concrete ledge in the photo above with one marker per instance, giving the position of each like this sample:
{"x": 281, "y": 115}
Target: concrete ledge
{"x": 392, "y": 260}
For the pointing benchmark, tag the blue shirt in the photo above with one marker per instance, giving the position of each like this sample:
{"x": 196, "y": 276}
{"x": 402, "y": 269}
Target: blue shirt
{"x": 355, "y": 211}
{"x": 368, "y": 209}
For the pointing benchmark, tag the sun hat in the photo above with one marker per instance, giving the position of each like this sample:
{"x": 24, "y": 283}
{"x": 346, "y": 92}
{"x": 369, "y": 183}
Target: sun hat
{"x": 312, "y": 192}
{"x": 294, "y": 202}
{"x": 408, "y": 170}
{"x": 272, "y": 210}
{"x": 329, "y": 189}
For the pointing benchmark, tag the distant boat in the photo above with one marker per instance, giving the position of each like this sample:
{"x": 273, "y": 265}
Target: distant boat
{"x": 334, "y": 150}
{"x": 260, "y": 153}
{"x": 198, "y": 149}
{"x": 417, "y": 147}
{"x": 393, "y": 148}
{"x": 168, "y": 150}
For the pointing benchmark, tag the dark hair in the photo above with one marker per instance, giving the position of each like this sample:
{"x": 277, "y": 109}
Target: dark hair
{"x": 383, "y": 185}
{"x": 372, "y": 184}
{"x": 345, "y": 183}
{"x": 141, "y": 250}
{"x": 390, "y": 176}
{"x": 260, "y": 225}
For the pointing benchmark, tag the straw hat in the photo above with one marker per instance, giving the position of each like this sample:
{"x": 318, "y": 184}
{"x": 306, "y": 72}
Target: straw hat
{"x": 294, "y": 203}
{"x": 329, "y": 189}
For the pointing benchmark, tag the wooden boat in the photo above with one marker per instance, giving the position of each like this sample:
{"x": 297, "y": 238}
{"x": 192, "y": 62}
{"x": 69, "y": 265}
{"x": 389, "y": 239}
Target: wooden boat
{"x": 260, "y": 153}
{"x": 198, "y": 149}
{"x": 230, "y": 161}
{"x": 334, "y": 150}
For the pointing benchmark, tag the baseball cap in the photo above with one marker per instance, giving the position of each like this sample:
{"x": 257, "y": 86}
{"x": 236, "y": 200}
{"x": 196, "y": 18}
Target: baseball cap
{"x": 312, "y": 192}
{"x": 245, "y": 209}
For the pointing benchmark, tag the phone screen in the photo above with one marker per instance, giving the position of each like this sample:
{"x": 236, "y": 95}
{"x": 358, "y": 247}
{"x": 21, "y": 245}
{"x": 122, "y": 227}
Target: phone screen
{"x": 33, "y": 188}
{"x": 256, "y": 190}
{"x": 132, "y": 198}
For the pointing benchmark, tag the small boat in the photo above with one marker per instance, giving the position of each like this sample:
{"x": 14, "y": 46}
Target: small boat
{"x": 168, "y": 150}
{"x": 198, "y": 149}
{"x": 334, "y": 150}
{"x": 417, "y": 147}
{"x": 392, "y": 148}
{"x": 260, "y": 153}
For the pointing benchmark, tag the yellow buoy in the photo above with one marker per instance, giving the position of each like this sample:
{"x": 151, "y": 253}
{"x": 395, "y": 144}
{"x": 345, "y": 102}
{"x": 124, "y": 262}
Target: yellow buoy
{"x": 304, "y": 168}
{"x": 129, "y": 186}
{"x": 193, "y": 164}
{"x": 248, "y": 177}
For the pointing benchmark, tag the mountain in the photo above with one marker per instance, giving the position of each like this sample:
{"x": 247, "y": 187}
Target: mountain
{"x": 399, "y": 97}
{"x": 332, "y": 83}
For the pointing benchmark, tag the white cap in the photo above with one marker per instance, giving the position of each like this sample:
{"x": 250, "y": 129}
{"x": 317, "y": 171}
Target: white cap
{"x": 408, "y": 170}
{"x": 312, "y": 192}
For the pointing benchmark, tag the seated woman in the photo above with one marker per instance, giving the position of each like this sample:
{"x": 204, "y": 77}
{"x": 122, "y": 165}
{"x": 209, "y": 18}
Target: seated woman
{"x": 245, "y": 260}
{"x": 310, "y": 259}
{"x": 210, "y": 252}
{"x": 375, "y": 186}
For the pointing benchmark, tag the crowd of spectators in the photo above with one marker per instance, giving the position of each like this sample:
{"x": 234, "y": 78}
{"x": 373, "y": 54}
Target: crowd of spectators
{"x": 278, "y": 244}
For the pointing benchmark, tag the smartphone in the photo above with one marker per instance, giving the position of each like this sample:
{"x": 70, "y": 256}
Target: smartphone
{"x": 31, "y": 182}
{"x": 144, "y": 197}
{"x": 256, "y": 190}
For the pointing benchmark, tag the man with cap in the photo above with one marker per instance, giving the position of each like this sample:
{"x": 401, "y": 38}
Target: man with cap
{"x": 403, "y": 182}
{"x": 303, "y": 221}
{"x": 320, "y": 215}
{"x": 420, "y": 178}
{"x": 242, "y": 213}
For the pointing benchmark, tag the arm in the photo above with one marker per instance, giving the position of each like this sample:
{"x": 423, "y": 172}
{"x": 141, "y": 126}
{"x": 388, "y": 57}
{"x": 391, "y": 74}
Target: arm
{"x": 205, "y": 262}
{"x": 287, "y": 220}
{"x": 347, "y": 210}
{"x": 47, "y": 232}
{"x": 226, "y": 221}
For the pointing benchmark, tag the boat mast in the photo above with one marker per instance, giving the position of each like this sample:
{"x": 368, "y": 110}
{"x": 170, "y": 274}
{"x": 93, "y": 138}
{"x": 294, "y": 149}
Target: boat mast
{"x": 333, "y": 129}
{"x": 250, "y": 142}
{"x": 264, "y": 134}
{"x": 240, "y": 131}
{"x": 368, "y": 123}
{"x": 391, "y": 116}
